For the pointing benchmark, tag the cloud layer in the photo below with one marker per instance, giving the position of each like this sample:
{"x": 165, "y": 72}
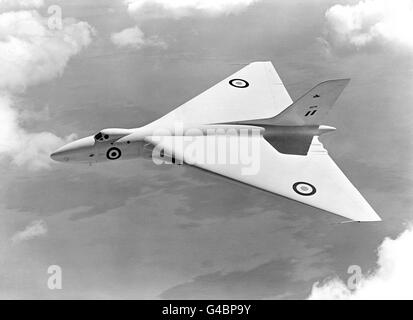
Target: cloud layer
{"x": 135, "y": 38}
{"x": 393, "y": 278}
{"x": 9, "y": 5}
{"x": 156, "y": 9}
{"x": 32, "y": 53}
{"x": 184, "y": 8}
{"x": 371, "y": 23}
{"x": 35, "y": 229}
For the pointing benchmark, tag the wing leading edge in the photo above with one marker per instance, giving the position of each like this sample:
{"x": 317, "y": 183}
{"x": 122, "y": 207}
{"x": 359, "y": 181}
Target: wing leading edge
{"x": 254, "y": 92}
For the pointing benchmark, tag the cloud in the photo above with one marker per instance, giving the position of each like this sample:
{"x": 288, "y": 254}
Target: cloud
{"x": 371, "y": 23}
{"x": 155, "y": 9}
{"x": 184, "y": 8}
{"x": 9, "y": 5}
{"x": 32, "y": 53}
{"x": 35, "y": 229}
{"x": 27, "y": 149}
{"x": 393, "y": 278}
{"x": 135, "y": 38}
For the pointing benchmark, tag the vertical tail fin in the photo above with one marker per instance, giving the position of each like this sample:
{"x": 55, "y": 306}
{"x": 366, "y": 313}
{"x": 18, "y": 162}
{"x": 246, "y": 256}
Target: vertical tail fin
{"x": 311, "y": 108}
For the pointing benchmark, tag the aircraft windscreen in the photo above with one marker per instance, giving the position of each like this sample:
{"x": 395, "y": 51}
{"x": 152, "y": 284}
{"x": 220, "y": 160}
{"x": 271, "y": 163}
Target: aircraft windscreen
{"x": 99, "y": 136}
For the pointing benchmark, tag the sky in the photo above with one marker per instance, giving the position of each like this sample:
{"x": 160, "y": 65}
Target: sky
{"x": 133, "y": 230}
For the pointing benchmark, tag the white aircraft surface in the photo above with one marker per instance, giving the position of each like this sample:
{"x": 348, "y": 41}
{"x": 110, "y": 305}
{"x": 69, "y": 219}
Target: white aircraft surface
{"x": 249, "y": 110}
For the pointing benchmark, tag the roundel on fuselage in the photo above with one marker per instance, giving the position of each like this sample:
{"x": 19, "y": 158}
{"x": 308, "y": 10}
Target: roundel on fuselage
{"x": 113, "y": 153}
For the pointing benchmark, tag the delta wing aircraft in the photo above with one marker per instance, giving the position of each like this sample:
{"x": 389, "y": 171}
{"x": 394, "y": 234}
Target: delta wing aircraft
{"x": 249, "y": 108}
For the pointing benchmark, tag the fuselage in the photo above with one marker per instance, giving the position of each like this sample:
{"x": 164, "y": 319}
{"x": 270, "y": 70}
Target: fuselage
{"x": 121, "y": 144}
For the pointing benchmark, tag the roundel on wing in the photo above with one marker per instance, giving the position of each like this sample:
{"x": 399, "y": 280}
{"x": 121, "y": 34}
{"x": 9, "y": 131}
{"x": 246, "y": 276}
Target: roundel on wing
{"x": 304, "y": 188}
{"x": 239, "y": 83}
{"x": 113, "y": 153}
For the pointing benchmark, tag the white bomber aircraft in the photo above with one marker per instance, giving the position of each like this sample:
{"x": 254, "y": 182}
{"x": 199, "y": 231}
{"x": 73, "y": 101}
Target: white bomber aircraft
{"x": 292, "y": 161}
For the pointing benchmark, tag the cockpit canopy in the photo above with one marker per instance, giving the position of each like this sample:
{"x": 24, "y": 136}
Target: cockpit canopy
{"x": 101, "y": 137}
{"x": 111, "y": 134}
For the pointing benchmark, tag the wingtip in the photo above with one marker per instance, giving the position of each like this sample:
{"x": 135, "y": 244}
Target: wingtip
{"x": 343, "y": 80}
{"x": 261, "y": 62}
{"x": 376, "y": 218}
{"x": 372, "y": 218}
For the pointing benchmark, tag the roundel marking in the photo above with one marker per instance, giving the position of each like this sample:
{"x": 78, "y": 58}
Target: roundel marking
{"x": 113, "y": 153}
{"x": 239, "y": 83}
{"x": 304, "y": 188}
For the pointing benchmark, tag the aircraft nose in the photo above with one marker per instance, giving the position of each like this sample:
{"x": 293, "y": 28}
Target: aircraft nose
{"x": 73, "y": 150}
{"x": 54, "y": 156}
{"x": 62, "y": 154}
{"x": 58, "y": 156}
